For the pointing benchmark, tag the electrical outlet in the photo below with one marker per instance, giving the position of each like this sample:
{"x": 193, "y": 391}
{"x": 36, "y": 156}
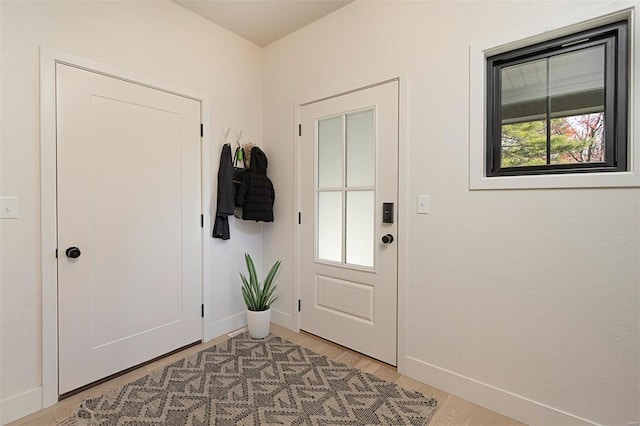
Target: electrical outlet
{"x": 8, "y": 207}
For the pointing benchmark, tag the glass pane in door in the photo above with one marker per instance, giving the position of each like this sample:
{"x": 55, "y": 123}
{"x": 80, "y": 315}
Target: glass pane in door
{"x": 361, "y": 152}
{"x": 330, "y": 142}
{"x": 330, "y": 226}
{"x": 360, "y": 228}
{"x": 346, "y": 204}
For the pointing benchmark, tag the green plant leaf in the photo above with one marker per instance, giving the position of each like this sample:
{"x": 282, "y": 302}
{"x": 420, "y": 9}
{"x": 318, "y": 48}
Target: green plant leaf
{"x": 258, "y": 297}
{"x": 269, "y": 287}
{"x": 253, "y": 276}
{"x": 247, "y": 295}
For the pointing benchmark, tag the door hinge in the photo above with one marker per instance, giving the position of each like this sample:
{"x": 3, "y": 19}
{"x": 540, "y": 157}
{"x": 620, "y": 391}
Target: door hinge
{"x": 56, "y": 253}
{"x": 201, "y": 130}
{"x": 299, "y": 305}
{"x": 299, "y": 218}
{"x": 202, "y": 310}
{"x": 201, "y": 221}
{"x": 299, "y": 129}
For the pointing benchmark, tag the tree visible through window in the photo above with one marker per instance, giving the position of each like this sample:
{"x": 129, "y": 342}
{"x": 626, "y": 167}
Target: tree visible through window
{"x": 574, "y": 140}
{"x": 559, "y": 106}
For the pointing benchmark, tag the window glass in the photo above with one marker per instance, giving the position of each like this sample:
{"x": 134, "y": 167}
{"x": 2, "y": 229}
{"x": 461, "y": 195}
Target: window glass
{"x": 330, "y": 226}
{"x": 360, "y": 221}
{"x": 346, "y": 204}
{"x": 559, "y": 106}
{"x": 576, "y": 92}
{"x": 330, "y": 152}
{"x": 361, "y": 160}
{"x": 523, "y": 114}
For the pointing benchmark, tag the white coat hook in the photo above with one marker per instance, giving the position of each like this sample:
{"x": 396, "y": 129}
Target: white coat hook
{"x": 226, "y": 134}
{"x": 239, "y": 151}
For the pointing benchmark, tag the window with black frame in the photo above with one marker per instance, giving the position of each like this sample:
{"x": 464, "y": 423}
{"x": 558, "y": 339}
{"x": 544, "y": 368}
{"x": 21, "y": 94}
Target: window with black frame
{"x": 559, "y": 106}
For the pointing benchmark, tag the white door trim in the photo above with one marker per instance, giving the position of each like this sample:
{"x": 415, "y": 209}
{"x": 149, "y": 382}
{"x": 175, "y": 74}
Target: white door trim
{"x": 403, "y": 195}
{"x": 48, "y": 60}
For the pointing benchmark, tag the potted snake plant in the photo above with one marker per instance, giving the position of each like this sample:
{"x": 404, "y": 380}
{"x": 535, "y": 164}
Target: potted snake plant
{"x": 258, "y": 297}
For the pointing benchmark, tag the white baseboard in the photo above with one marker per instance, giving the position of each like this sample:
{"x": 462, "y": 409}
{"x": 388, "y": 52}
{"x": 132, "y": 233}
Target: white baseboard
{"x": 282, "y": 318}
{"x": 239, "y": 320}
{"x": 21, "y": 405}
{"x": 502, "y": 401}
{"x": 228, "y": 324}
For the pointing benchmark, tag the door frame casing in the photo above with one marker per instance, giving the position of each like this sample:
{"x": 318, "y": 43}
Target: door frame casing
{"x": 48, "y": 198}
{"x": 403, "y": 210}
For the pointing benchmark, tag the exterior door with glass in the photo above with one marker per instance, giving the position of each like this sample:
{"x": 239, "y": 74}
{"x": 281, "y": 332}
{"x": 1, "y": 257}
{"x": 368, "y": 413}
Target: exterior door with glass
{"x": 348, "y": 229}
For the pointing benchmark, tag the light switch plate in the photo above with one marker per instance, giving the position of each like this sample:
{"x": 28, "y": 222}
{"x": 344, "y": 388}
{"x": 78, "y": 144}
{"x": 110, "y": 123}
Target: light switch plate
{"x": 8, "y": 207}
{"x": 423, "y": 204}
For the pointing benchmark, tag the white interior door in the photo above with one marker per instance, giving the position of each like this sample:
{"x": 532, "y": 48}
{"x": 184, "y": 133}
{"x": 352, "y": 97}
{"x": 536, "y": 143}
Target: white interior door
{"x": 349, "y": 169}
{"x": 128, "y": 170}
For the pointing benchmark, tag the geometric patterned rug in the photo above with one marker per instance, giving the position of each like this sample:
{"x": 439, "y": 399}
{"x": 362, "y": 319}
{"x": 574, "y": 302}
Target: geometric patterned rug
{"x": 246, "y": 381}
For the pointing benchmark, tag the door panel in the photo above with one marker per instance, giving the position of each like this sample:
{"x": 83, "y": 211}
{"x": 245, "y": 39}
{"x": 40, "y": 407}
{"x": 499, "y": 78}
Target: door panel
{"x": 345, "y": 297}
{"x": 129, "y": 199}
{"x": 349, "y": 158}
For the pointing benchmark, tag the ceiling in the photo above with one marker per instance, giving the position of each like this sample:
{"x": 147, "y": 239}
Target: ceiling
{"x": 262, "y": 21}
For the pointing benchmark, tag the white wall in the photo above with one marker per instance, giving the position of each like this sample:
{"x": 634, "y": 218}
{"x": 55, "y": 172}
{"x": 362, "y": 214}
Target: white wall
{"x": 527, "y": 301}
{"x": 0, "y": 224}
{"x": 556, "y": 321}
{"x": 159, "y": 40}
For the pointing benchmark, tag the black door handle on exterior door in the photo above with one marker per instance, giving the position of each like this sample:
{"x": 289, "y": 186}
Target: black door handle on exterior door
{"x": 387, "y": 239}
{"x": 73, "y": 252}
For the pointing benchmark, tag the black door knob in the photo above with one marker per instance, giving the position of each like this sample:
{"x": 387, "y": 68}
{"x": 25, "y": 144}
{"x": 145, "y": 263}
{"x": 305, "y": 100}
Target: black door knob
{"x": 387, "y": 239}
{"x": 73, "y": 252}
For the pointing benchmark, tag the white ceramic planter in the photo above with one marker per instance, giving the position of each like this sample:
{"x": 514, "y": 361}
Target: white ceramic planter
{"x": 258, "y": 323}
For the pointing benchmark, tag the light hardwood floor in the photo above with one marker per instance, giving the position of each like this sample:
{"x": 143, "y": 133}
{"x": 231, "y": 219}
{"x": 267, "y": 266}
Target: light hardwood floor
{"x": 451, "y": 409}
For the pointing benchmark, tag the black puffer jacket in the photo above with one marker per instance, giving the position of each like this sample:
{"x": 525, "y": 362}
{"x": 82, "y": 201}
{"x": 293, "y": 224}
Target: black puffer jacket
{"x": 256, "y": 194}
